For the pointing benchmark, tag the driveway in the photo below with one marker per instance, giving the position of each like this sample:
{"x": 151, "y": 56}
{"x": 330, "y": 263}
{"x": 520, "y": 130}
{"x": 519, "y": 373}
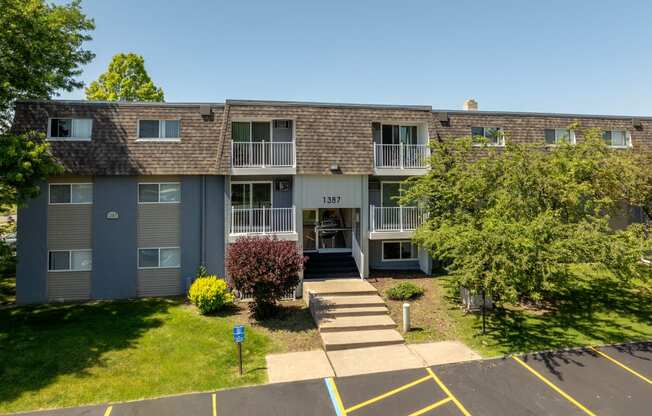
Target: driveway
{"x": 607, "y": 380}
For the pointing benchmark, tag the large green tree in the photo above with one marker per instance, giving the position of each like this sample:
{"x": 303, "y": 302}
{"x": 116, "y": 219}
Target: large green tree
{"x": 41, "y": 52}
{"x": 126, "y": 79}
{"x": 513, "y": 221}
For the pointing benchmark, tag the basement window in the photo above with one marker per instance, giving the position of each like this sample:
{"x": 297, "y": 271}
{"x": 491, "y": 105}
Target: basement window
{"x": 399, "y": 251}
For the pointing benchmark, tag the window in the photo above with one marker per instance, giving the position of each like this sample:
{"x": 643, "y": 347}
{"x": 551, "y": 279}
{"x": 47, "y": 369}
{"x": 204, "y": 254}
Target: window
{"x": 492, "y": 136}
{"x": 617, "y": 138}
{"x": 558, "y": 136}
{"x": 262, "y": 131}
{"x": 70, "y": 129}
{"x": 71, "y": 193}
{"x": 251, "y": 194}
{"x": 399, "y": 251}
{"x": 70, "y": 260}
{"x": 395, "y": 134}
{"x": 159, "y": 129}
{"x": 159, "y": 258}
{"x": 159, "y": 193}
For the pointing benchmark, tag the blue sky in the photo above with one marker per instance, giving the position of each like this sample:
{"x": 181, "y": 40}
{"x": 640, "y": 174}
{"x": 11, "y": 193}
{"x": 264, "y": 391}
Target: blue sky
{"x": 554, "y": 56}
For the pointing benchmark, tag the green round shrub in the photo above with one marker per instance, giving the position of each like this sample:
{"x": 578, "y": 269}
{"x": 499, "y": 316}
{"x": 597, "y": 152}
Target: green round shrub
{"x": 210, "y": 294}
{"x": 404, "y": 291}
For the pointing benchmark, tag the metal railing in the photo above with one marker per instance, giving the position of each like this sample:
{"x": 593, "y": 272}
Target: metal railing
{"x": 262, "y": 154}
{"x": 396, "y": 218}
{"x": 262, "y": 220}
{"x": 401, "y": 156}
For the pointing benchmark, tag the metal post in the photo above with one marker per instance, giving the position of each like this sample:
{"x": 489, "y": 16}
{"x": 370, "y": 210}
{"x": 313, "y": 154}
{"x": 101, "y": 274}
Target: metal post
{"x": 400, "y": 214}
{"x": 240, "y": 357}
{"x": 373, "y": 212}
{"x": 400, "y": 153}
{"x": 406, "y": 317}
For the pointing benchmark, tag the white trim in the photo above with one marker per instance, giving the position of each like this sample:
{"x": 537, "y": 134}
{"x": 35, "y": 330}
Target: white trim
{"x": 159, "y": 258}
{"x": 401, "y": 242}
{"x": 159, "y": 192}
{"x": 72, "y": 138}
{"x": 161, "y": 130}
{"x": 628, "y": 139}
{"x": 264, "y": 120}
{"x": 70, "y": 251}
{"x": 572, "y": 137}
{"x": 70, "y": 185}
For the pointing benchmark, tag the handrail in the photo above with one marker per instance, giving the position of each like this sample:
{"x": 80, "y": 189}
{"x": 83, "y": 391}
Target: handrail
{"x": 401, "y": 156}
{"x": 262, "y": 154}
{"x": 401, "y": 218}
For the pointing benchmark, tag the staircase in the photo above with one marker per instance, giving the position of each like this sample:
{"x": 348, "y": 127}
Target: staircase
{"x": 330, "y": 265}
{"x": 350, "y": 314}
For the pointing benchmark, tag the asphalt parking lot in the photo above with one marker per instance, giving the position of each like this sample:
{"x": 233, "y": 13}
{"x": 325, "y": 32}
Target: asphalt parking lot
{"x": 608, "y": 380}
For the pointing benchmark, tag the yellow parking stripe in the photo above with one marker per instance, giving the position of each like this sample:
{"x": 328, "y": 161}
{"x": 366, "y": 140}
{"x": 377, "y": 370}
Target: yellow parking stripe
{"x": 432, "y": 406}
{"x": 214, "y": 405}
{"x": 554, "y": 387}
{"x": 618, "y": 363}
{"x": 108, "y": 410}
{"x": 385, "y": 395}
{"x": 448, "y": 392}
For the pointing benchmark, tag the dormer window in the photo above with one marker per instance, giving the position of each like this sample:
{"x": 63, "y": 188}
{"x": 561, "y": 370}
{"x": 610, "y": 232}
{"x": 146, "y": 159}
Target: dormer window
{"x": 70, "y": 129}
{"x": 559, "y": 136}
{"x": 159, "y": 130}
{"x": 491, "y": 136}
{"x": 617, "y": 138}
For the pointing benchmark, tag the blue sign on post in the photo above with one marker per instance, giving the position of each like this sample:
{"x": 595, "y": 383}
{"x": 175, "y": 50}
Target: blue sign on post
{"x": 238, "y": 333}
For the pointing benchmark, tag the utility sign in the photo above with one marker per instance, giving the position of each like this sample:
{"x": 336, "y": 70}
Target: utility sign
{"x": 238, "y": 338}
{"x": 238, "y": 333}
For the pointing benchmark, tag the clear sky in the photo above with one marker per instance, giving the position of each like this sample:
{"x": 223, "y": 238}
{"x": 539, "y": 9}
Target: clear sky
{"x": 553, "y": 56}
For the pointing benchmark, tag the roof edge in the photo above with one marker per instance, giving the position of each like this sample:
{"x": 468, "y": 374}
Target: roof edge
{"x": 324, "y": 104}
{"x": 118, "y": 103}
{"x": 539, "y": 114}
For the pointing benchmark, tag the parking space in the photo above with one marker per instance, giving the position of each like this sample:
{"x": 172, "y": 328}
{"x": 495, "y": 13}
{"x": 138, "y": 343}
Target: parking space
{"x": 598, "y": 385}
{"x": 611, "y": 380}
{"x": 407, "y": 392}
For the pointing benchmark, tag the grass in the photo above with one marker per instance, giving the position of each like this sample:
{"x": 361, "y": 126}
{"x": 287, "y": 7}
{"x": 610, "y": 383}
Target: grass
{"x": 7, "y": 290}
{"x": 68, "y": 355}
{"x": 601, "y": 311}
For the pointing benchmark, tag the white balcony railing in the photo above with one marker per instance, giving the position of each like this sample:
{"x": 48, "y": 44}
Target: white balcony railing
{"x": 401, "y": 156}
{"x": 262, "y": 154}
{"x": 262, "y": 220}
{"x": 396, "y": 218}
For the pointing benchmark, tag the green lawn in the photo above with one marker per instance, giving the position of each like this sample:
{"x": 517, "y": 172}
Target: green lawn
{"x": 67, "y": 355}
{"x": 7, "y": 290}
{"x": 602, "y": 311}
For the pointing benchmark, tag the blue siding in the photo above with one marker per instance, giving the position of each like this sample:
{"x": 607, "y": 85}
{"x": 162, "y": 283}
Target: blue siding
{"x": 31, "y": 273}
{"x": 114, "y": 273}
{"x": 215, "y": 232}
{"x": 376, "y": 257}
{"x": 191, "y": 235}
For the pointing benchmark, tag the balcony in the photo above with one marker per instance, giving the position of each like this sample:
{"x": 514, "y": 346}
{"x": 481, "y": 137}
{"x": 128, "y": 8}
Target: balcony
{"x": 262, "y": 158}
{"x": 401, "y": 159}
{"x": 394, "y": 222}
{"x": 279, "y": 222}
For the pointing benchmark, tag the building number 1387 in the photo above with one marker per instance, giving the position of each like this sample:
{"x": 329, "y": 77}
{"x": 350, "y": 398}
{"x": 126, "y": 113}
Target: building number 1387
{"x": 332, "y": 199}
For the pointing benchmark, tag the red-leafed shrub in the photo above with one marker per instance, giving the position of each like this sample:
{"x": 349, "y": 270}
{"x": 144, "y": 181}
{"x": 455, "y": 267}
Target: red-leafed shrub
{"x": 266, "y": 268}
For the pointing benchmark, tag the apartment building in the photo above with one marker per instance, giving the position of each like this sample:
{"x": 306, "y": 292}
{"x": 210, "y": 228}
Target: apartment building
{"x": 153, "y": 190}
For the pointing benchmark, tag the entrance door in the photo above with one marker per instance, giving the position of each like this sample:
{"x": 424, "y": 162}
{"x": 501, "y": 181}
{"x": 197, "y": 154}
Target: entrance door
{"x": 310, "y": 229}
{"x": 334, "y": 230}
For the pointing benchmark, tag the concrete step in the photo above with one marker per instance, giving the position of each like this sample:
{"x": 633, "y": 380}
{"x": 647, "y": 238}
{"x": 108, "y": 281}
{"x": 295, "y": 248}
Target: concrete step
{"x": 359, "y": 339}
{"x": 354, "y": 323}
{"x": 332, "y": 312}
{"x": 340, "y": 287}
{"x": 361, "y": 301}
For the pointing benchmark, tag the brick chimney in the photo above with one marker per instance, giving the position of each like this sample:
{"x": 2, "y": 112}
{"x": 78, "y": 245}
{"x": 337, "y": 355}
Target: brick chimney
{"x": 471, "y": 105}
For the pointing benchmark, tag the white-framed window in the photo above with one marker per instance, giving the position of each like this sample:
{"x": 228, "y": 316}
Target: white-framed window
{"x": 70, "y": 193}
{"x": 559, "y": 136}
{"x": 399, "y": 251}
{"x": 159, "y": 258}
{"x": 159, "y": 193}
{"x": 617, "y": 138}
{"x": 71, "y": 129}
{"x": 281, "y": 130}
{"x": 490, "y": 136}
{"x": 70, "y": 260}
{"x": 159, "y": 130}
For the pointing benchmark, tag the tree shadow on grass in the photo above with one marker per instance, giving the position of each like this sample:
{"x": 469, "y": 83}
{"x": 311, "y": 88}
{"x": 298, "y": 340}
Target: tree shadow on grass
{"x": 602, "y": 311}
{"x": 291, "y": 318}
{"x": 40, "y": 343}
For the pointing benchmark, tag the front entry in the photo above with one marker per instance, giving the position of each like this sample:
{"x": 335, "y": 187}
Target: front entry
{"x": 328, "y": 230}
